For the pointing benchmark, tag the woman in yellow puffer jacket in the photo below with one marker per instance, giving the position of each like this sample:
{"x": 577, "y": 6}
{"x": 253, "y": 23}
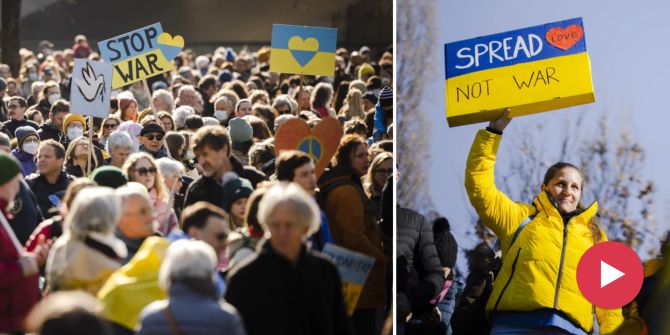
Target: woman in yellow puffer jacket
{"x": 536, "y": 290}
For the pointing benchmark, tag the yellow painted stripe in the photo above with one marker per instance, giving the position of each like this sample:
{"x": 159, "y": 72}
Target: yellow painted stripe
{"x": 323, "y": 63}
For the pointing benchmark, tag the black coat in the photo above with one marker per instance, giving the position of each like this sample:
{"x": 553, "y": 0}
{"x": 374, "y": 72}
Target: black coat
{"x": 26, "y": 212}
{"x": 416, "y": 251}
{"x": 13, "y": 124}
{"x": 42, "y": 190}
{"x": 277, "y": 297}
{"x": 48, "y": 132}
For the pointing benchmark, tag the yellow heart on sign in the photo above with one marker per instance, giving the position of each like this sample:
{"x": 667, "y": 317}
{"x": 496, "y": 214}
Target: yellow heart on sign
{"x": 167, "y": 39}
{"x": 297, "y": 43}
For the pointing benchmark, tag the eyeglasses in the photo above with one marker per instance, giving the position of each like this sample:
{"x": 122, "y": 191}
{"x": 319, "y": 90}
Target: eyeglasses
{"x": 384, "y": 171}
{"x": 144, "y": 171}
{"x": 111, "y": 125}
{"x": 157, "y": 137}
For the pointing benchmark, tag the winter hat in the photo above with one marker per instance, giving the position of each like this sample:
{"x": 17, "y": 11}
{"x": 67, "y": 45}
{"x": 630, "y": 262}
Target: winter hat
{"x": 231, "y": 55}
{"x": 72, "y": 118}
{"x": 9, "y": 168}
{"x": 370, "y": 97}
{"x": 125, "y": 99}
{"x": 152, "y": 128}
{"x": 22, "y": 132}
{"x": 234, "y": 190}
{"x": 158, "y": 85}
{"x": 445, "y": 243}
{"x": 225, "y": 77}
{"x": 386, "y": 97}
{"x": 109, "y": 176}
{"x": 240, "y": 130}
{"x": 3, "y": 84}
{"x": 365, "y": 69}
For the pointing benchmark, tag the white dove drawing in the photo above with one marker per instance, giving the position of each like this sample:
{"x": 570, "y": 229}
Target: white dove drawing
{"x": 92, "y": 85}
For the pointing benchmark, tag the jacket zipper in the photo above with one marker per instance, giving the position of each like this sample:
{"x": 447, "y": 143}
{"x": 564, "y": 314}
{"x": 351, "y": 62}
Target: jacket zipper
{"x": 560, "y": 267}
{"x": 516, "y": 258}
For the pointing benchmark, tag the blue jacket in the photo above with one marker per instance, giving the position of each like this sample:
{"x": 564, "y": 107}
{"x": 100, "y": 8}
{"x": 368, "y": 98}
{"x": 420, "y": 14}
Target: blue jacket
{"x": 28, "y": 165}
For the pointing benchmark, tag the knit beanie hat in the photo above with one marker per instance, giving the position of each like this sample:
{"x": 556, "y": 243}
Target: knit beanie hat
{"x": 240, "y": 130}
{"x": 365, "y": 69}
{"x": 9, "y": 168}
{"x": 445, "y": 243}
{"x": 225, "y": 77}
{"x": 72, "y": 118}
{"x": 386, "y": 97}
{"x": 22, "y": 132}
{"x": 109, "y": 176}
{"x": 234, "y": 190}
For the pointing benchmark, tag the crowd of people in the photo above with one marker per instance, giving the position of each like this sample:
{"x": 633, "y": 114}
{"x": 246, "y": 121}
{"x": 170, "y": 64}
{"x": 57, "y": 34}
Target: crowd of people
{"x": 182, "y": 218}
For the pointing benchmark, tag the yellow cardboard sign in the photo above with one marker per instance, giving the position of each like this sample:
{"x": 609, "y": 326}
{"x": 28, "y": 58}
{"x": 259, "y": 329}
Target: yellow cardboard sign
{"x": 529, "y": 71}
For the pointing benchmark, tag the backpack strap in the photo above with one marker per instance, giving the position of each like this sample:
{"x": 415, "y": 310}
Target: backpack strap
{"x": 520, "y": 228}
{"x": 172, "y": 323}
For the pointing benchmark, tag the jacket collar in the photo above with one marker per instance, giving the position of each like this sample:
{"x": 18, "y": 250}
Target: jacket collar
{"x": 545, "y": 204}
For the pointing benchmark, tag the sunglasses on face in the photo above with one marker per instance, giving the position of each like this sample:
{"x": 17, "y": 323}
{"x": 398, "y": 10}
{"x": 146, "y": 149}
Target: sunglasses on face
{"x": 152, "y": 137}
{"x": 144, "y": 171}
{"x": 111, "y": 125}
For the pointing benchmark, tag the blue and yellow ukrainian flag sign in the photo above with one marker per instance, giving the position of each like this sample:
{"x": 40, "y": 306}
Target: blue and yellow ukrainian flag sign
{"x": 528, "y": 70}
{"x": 303, "y": 50}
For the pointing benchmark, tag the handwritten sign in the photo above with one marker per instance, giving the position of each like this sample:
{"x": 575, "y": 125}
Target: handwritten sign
{"x": 91, "y": 91}
{"x": 529, "y": 70}
{"x": 354, "y": 268}
{"x": 303, "y": 50}
{"x": 320, "y": 143}
{"x": 140, "y": 54}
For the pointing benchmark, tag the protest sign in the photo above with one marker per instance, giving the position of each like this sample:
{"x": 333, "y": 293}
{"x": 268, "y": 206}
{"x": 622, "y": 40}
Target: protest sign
{"x": 320, "y": 143}
{"x": 529, "y": 70}
{"x": 140, "y": 54}
{"x": 90, "y": 91}
{"x": 354, "y": 268}
{"x": 303, "y": 50}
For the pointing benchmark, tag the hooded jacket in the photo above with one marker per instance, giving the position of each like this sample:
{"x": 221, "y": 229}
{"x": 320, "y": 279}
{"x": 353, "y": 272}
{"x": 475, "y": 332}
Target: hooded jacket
{"x": 354, "y": 227}
{"x": 539, "y": 270}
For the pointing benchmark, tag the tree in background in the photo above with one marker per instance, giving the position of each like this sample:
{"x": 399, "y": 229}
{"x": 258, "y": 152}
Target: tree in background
{"x": 414, "y": 48}
{"x": 10, "y": 36}
{"x": 612, "y": 162}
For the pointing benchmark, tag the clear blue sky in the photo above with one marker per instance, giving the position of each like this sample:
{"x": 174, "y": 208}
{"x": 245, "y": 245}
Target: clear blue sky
{"x": 629, "y": 46}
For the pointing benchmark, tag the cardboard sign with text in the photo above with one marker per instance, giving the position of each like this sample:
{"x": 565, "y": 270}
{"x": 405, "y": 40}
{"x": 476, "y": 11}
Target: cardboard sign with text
{"x": 91, "y": 91}
{"x": 303, "y": 50}
{"x": 354, "y": 268}
{"x": 140, "y": 54}
{"x": 529, "y": 70}
{"x": 321, "y": 142}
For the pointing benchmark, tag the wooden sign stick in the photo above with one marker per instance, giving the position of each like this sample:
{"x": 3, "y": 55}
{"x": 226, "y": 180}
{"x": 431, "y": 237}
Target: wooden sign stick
{"x": 151, "y": 100}
{"x": 90, "y": 145}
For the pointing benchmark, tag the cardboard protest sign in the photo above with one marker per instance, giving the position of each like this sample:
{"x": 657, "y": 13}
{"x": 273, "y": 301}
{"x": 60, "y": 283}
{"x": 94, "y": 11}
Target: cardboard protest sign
{"x": 90, "y": 91}
{"x": 140, "y": 54}
{"x": 303, "y": 50}
{"x": 529, "y": 70}
{"x": 354, "y": 268}
{"x": 321, "y": 142}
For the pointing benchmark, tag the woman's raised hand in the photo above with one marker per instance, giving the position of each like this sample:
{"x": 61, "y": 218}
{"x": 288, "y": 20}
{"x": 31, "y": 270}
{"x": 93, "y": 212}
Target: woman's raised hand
{"x": 501, "y": 122}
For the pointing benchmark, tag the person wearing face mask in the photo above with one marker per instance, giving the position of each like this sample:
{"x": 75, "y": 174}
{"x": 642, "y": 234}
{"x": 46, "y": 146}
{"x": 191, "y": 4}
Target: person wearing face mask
{"x": 222, "y": 110}
{"x": 50, "y": 93}
{"x": 27, "y": 142}
{"x": 74, "y": 126}
{"x": 17, "y": 107}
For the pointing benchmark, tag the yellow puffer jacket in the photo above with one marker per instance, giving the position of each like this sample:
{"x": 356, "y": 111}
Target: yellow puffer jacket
{"x": 539, "y": 271}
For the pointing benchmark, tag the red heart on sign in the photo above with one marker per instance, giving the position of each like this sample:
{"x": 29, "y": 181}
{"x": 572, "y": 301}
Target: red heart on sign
{"x": 321, "y": 142}
{"x": 564, "y": 39}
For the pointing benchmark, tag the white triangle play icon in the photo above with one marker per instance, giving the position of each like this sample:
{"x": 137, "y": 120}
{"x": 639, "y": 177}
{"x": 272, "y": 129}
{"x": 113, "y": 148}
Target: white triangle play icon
{"x": 608, "y": 274}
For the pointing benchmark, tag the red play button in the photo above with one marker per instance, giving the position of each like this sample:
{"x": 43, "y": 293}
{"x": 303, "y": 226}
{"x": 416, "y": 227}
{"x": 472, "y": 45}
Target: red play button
{"x": 610, "y": 274}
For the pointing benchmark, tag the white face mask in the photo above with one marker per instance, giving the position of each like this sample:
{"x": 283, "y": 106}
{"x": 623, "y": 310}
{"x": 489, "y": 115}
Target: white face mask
{"x": 74, "y": 132}
{"x": 30, "y": 147}
{"x": 221, "y": 115}
{"x": 53, "y": 98}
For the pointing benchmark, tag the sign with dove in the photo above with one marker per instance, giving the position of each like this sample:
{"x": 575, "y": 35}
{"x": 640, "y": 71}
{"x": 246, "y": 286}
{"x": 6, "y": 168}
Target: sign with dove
{"x": 303, "y": 50}
{"x": 90, "y": 90}
{"x": 140, "y": 54}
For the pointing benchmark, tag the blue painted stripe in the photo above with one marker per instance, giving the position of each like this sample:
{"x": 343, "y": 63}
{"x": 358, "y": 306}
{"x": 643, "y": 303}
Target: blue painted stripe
{"x": 107, "y": 50}
{"x": 510, "y": 38}
{"x": 282, "y": 33}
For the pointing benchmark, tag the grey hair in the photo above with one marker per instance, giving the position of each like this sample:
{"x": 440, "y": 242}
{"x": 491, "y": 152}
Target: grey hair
{"x": 180, "y": 114}
{"x": 281, "y": 119}
{"x": 209, "y": 121}
{"x": 186, "y": 88}
{"x": 283, "y": 100}
{"x": 164, "y": 96}
{"x": 94, "y": 209}
{"x": 120, "y": 139}
{"x": 187, "y": 259}
{"x": 169, "y": 167}
{"x": 132, "y": 189}
{"x": 289, "y": 194}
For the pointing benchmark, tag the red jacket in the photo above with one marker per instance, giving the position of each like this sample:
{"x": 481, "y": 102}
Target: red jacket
{"x": 18, "y": 294}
